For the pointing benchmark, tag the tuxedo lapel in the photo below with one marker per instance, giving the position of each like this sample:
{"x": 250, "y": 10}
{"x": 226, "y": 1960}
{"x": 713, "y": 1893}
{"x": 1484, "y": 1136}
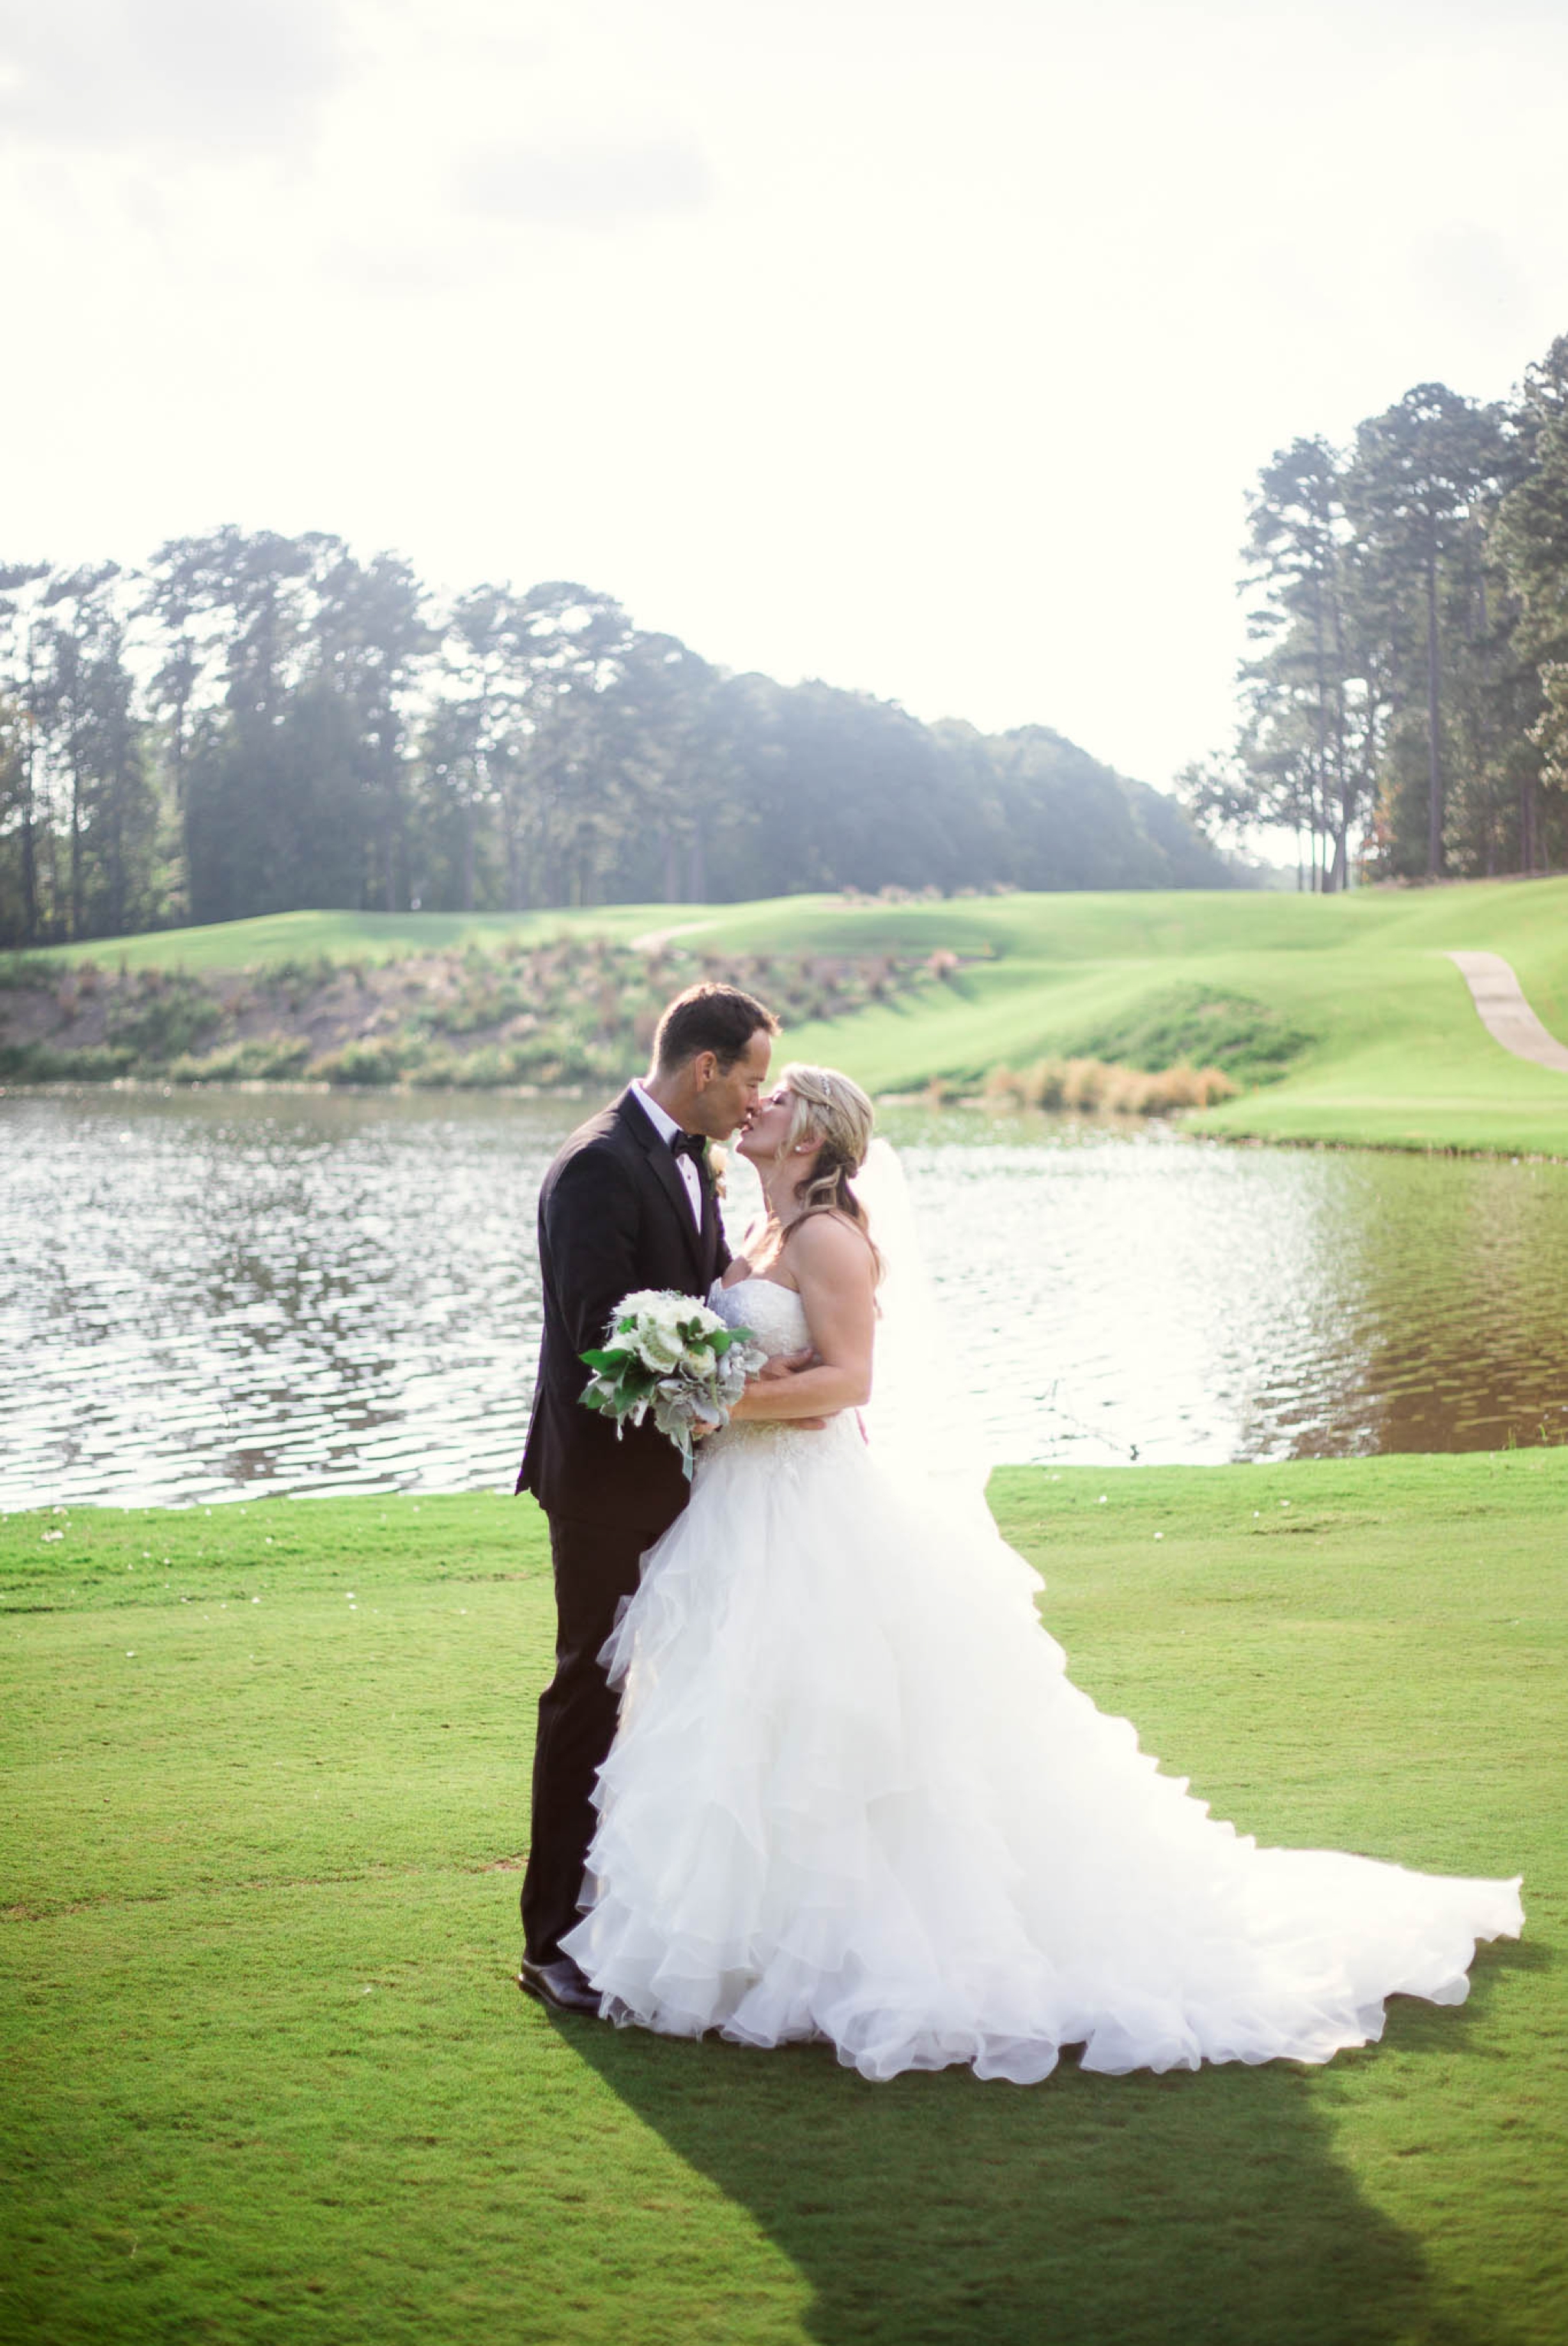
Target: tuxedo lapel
{"x": 666, "y": 1173}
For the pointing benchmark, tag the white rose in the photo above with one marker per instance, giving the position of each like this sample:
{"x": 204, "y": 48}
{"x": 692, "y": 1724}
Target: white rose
{"x": 646, "y": 1299}
{"x": 657, "y": 1348}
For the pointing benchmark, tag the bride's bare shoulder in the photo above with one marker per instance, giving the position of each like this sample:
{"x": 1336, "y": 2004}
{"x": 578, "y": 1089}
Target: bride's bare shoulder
{"x": 830, "y": 1246}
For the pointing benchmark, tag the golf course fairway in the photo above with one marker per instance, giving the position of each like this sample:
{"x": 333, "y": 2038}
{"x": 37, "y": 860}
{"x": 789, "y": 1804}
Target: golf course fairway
{"x": 1377, "y": 1039}
{"x": 268, "y": 2077}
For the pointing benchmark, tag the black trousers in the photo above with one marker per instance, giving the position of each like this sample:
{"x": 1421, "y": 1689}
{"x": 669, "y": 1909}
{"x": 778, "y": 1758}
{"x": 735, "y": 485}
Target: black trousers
{"x": 595, "y": 1566}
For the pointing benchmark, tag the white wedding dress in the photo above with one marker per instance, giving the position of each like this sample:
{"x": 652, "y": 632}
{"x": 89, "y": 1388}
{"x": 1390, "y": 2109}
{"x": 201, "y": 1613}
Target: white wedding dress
{"x": 854, "y": 1797}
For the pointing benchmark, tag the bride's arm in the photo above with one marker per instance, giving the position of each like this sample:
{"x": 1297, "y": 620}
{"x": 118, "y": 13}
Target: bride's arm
{"x": 833, "y": 1271}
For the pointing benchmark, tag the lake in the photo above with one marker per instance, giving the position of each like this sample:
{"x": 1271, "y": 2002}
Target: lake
{"x": 211, "y": 1295}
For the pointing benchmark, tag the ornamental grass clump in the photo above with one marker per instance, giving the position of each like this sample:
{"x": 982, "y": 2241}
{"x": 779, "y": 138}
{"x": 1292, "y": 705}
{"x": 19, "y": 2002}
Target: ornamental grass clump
{"x": 1091, "y": 1087}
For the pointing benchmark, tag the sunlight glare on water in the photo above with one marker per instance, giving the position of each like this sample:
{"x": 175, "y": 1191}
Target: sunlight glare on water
{"x": 206, "y": 1295}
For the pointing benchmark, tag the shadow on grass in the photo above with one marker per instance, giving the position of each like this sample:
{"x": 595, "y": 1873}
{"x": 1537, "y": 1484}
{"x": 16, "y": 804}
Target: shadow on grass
{"x": 1088, "y": 2212}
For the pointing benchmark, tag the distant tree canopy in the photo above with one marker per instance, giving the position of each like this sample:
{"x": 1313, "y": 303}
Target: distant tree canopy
{"x": 255, "y": 723}
{"x": 1407, "y": 707}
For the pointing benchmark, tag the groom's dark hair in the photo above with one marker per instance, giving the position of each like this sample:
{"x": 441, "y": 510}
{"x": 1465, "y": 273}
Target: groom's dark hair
{"x": 716, "y": 1018}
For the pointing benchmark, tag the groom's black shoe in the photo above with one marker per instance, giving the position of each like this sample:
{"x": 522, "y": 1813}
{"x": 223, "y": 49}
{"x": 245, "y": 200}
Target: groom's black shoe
{"x": 559, "y": 1983}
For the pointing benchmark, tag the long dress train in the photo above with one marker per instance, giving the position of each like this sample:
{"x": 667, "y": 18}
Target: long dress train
{"x": 854, "y": 1796}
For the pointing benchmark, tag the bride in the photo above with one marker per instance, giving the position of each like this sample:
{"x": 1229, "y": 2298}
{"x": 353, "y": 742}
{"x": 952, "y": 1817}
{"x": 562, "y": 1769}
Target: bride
{"x": 854, "y": 1795}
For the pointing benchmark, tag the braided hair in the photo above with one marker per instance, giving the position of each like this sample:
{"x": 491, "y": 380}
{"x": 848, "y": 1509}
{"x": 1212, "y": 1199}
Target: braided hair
{"x": 827, "y": 1108}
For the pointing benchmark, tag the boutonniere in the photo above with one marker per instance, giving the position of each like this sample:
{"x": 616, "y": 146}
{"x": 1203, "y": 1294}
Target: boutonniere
{"x": 716, "y": 1161}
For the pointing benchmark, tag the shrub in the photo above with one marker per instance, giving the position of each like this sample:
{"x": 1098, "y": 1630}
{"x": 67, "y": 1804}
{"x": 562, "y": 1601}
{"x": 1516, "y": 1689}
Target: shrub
{"x": 166, "y": 1020}
{"x": 28, "y": 971}
{"x": 358, "y": 1063}
{"x": 1198, "y": 1025}
{"x": 260, "y": 1059}
{"x": 36, "y": 1063}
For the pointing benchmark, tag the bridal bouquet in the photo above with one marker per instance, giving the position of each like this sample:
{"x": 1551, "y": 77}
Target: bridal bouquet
{"x": 669, "y": 1354}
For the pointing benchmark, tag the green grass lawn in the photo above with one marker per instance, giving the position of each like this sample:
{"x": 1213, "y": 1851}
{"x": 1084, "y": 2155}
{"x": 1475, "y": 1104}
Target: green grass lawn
{"x": 268, "y": 2078}
{"x": 1395, "y": 1054}
{"x": 347, "y": 936}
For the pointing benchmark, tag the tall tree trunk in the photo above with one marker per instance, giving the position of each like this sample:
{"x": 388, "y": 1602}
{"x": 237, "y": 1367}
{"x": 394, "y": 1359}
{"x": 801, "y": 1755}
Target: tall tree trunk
{"x": 513, "y": 854}
{"x": 29, "y": 849}
{"x": 75, "y": 926}
{"x": 1527, "y": 822}
{"x": 1322, "y": 820}
{"x": 178, "y": 759}
{"x": 29, "y": 876}
{"x": 116, "y": 858}
{"x": 1343, "y": 795}
{"x": 1434, "y": 762}
{"x": 696, "y": 869}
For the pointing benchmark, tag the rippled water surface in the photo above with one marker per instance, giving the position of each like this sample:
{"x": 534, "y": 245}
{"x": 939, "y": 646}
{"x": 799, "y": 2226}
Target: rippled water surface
{"x": 202, "y": 1295}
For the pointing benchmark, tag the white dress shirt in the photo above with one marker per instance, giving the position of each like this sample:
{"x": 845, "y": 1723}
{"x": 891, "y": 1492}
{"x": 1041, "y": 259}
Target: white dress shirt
{"x": 669, "y": 1130}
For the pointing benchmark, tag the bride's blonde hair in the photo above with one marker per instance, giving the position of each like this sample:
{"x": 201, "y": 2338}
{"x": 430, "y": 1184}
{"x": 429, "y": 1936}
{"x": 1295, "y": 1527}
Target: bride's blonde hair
{"x": 833, "y": 1112}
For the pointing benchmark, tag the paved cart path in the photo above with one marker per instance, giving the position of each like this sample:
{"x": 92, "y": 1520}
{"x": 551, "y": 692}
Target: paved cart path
{"x": 1505, "y": 1014}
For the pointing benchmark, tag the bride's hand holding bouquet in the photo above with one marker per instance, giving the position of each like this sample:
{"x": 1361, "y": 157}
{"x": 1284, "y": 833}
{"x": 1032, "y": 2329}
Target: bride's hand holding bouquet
{"x": 668, "y": 1356}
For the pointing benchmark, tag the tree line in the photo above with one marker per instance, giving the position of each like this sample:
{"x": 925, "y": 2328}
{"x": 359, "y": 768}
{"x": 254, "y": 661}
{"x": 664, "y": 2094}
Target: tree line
{"x": 1406, "y": 709}
{"x": 253, "y": 723}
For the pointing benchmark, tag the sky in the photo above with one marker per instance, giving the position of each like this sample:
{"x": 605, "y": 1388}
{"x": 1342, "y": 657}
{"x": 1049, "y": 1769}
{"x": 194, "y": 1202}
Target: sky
{"x": 927, "y": 347}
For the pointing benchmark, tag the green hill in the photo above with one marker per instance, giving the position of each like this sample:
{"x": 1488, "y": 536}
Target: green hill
{"x": 1341, "y": 1015}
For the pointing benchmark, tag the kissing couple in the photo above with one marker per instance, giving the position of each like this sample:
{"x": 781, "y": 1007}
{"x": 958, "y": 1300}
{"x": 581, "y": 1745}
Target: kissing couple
{"x": 809, "y": 1767}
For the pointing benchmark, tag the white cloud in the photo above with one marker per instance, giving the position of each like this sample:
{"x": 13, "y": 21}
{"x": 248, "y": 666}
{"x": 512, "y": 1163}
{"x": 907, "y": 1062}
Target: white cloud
{"x": 594, "y": 184}
{"x": 200, "y": 73}
{"x": 929, "y": 348}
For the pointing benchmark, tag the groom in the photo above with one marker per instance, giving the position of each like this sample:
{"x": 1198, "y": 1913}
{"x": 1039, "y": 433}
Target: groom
{"x": 628, "y": 1203}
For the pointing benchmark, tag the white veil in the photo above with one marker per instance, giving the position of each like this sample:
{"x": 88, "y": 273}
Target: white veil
{"x": 919, "y": 1421}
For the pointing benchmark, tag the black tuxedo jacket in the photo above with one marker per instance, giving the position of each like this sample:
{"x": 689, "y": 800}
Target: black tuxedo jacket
{"x": 614, "y": 1216}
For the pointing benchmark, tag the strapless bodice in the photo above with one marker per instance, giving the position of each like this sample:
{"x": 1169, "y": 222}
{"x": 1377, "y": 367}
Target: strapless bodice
{"x": 777, "y": 1319}
{"x": 775, "y": 1315}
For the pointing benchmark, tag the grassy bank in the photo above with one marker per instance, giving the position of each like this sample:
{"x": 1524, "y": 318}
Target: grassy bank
{"x": 1377, "y": 1041}
{"x": 530, "y": 1013}
{"x": 1340, "y": 1015}
{"x": 268, "y": 2077}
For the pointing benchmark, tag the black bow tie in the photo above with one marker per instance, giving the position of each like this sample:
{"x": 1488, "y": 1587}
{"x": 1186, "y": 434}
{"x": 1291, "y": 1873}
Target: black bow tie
{"x": 690, "y": 1144}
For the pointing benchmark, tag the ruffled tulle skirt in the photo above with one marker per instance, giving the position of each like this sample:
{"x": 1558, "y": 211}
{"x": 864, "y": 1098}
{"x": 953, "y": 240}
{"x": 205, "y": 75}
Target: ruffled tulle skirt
{"x": 855, "y": 1797}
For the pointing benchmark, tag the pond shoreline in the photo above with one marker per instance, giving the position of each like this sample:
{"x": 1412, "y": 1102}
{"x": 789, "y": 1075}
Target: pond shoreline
{"x": 212, "y": 1290}
{"x": 536, "y": 1095}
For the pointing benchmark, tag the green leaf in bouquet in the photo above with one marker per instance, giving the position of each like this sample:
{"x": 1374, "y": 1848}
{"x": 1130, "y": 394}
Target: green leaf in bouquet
{"x": 606, "y": 1358}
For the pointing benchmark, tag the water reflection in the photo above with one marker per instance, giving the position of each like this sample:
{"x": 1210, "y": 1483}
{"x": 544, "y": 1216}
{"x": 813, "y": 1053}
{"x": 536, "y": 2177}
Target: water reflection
{"x": 1189, "y": 1301}
{"x": 200, "y": 1295}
